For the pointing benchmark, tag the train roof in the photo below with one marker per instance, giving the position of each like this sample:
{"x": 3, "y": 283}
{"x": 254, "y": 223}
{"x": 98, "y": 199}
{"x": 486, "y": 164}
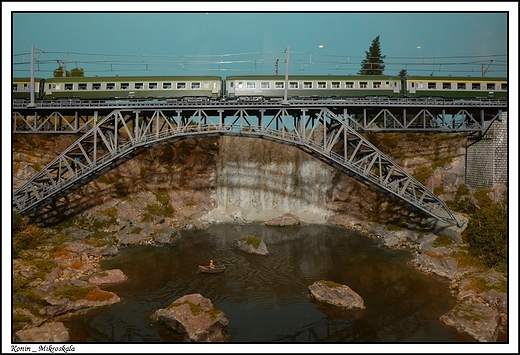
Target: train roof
{"x": 25, "y": 80}
{"x": 314, "y": 77}
{"x": 133, "y": 78}
{"x": 455, "y": 78}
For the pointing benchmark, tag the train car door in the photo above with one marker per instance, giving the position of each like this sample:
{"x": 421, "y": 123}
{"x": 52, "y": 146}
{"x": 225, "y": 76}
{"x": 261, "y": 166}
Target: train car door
{"x": 396, "y": 87}
{"x": 230, "y": 88}
{"x": 411, "y": 87}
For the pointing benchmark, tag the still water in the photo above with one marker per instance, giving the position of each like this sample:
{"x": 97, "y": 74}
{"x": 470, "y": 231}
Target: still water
{"x": 266, "y": 298}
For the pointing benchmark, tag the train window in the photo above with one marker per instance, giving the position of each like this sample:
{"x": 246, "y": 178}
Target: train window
{"x": 15, "y": 87}
{"x": 363, "y": 85}
{"x": 195, "y": 85}
{"x": 432, "y": 85}
{"x": 167, "y": 86}
{"x": 293, "y": 85}
{"x": 96, "y": 86}
{"x": 138, "y": 86}
{"x": 504, "y": 86}
{"x": 279, "y": 85}
{"x": 152, "y": 86}
{"x": 240, "y": 85}
{"x": 461, "y": 86}
{"x": 250, "y": 85}
{"x": 475, "y": 86}
{"x": 181, "y": 86}
{"x": 111, "y": 86}
{"x": 322, "y": 85}
{"x": 376, "y": 85}
{"x": 307, "y": 84}
{"x": 68, "y": 86}
{"x": 265, "y": 85}
{"x": 446, "y": 86}
{"x": 490, "y": 86}
{"x": 335, "y": 85}
{"x": 349, "y": 85}
{"x": 80, "y": 87}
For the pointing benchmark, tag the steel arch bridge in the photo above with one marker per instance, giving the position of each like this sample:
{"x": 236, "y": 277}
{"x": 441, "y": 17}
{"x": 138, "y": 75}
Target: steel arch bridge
{"x": 123, "y": 133}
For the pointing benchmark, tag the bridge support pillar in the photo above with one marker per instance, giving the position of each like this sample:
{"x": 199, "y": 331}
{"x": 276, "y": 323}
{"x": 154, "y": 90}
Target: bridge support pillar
{"x": 486, "y": 157}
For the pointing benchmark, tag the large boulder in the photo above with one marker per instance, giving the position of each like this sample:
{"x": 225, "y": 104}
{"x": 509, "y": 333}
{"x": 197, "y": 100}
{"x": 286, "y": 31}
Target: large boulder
{"x": 74, "y": 295}
{"x": 251, "y": 245}
{"x": 336, "y": 294}
{"x": 54, "y": 332}
{"x": 475, "y": 319}
{"x": 194, "y": 317}
{"x": 287, "y": 219}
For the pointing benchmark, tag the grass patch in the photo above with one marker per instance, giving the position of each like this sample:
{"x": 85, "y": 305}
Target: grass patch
{"x": 161, "y": 210}
{"x": 330, "y": 284}
{"x": 251, "y": 240}
{"x": 110, "y": 212}
{"x": 162, "y": 196}
{"x": 195, "y": 309}
{"x": 443, "y": 241}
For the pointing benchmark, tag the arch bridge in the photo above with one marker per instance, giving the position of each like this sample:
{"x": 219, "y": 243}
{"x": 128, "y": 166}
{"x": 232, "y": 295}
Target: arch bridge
{"x": 114, "y": 135}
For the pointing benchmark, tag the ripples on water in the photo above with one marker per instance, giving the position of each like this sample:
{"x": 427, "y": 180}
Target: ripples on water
{"x": 266, "y": 298}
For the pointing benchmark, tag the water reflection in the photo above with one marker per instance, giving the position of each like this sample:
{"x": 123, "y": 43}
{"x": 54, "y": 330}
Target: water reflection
{"x": 266, "y": 298}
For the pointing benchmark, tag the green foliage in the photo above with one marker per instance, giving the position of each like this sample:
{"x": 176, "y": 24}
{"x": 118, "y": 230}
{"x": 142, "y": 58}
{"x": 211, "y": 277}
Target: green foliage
{"x": 161, "y": 210}
{"x": 443, "y": 241}
{"x": 25, "y": 235}
{"x": 403, "y": 73}
{"x": 251, "y": 240}
{"x": 74, "y": 293}
{"x": 487, "y": 234}
{"x": 422, "y": 173}
{"x": 374, "y": 62}
{"x": 330, "y": 284}
{"x": 162, "y": 196}
{"x": 77, "y": 73}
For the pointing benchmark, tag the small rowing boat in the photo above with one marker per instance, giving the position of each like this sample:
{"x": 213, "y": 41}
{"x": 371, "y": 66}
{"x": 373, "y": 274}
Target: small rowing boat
{"x": 214, "y": 270}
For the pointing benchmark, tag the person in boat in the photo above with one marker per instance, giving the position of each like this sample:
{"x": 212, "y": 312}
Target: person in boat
{"x": 211, "y": 265}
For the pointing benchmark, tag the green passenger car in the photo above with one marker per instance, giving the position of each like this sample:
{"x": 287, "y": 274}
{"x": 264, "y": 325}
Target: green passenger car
{"x": 449, "y": 87}
{"x": 256, "y": 87}
{"x": 133, "y": 87}
{"x": 21, "y": 89}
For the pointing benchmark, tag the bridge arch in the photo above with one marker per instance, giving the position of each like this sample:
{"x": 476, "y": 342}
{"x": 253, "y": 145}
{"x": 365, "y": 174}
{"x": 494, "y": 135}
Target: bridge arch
{"x": 126, "y": 132}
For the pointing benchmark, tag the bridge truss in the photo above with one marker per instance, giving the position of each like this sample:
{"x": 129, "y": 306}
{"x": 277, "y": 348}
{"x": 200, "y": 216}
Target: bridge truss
{"x": 122, "y": 133}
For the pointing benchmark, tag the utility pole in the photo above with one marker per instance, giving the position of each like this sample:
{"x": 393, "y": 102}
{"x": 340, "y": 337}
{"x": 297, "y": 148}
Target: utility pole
{"x": 287, "y": 55}
{"x": 32, "y": 104}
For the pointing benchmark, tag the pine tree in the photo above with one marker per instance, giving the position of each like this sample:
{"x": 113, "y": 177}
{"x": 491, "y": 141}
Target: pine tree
{"x": 374, "y": 62}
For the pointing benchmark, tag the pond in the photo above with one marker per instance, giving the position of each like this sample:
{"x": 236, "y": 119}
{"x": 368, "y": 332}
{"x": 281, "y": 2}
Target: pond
{"x": 266, "y": 298}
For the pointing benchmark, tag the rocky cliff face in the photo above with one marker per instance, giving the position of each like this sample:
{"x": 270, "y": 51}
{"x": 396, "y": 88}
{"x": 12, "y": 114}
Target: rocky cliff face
{"x": 241, "y": 179}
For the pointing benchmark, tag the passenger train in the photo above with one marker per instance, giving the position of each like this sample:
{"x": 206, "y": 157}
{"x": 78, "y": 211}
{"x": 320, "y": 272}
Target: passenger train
{"x": 259, "y": 87}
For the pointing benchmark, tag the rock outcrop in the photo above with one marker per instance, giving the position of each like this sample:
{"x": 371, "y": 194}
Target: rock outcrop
{"x": 195, "y": 317}
{"x": 336, "y": 294}
{"x": 108, "y": 277}
{"x": 287, "y": 219}
{"x": 54, "y": 332}
{"x": 71, "y": 296}
{"x": 475, "y": 319}
{"x": 251, "y": 245}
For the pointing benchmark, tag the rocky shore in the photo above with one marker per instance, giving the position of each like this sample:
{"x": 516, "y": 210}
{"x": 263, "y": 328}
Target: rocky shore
{"x": 74, "y": 283}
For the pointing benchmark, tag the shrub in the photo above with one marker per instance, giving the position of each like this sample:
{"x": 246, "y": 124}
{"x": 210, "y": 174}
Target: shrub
{"x": 487, "y": 234}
